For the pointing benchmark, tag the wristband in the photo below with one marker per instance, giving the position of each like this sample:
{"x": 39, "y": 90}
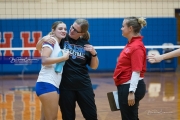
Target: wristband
{"x": 94, "y": 55}
{"x": 131, "y": 91}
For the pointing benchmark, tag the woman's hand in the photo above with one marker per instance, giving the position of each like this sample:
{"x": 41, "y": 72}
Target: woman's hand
{"x": 66, "y": 54}
{"x": 155, "y": 58}
{"x": 131, "y": 99}
{"x": 49, "y": 39}
{"x": 90, "y": 48}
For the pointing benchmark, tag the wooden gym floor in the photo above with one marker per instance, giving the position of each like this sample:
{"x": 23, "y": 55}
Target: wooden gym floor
{"x": 18, "y": 100}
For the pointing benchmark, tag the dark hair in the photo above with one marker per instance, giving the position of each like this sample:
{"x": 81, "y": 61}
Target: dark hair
{"x": 84, "y": 28}
{"x": 136, "y": 23}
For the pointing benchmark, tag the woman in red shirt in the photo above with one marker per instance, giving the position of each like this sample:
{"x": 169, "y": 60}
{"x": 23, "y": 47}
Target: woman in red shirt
{"x": 130, "y": 69}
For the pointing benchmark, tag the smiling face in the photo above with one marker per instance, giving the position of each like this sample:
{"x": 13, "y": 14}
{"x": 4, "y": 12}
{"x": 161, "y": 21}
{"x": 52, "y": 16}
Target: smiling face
{"x": 75, "y": 31}
{"x": 60, "y": 31}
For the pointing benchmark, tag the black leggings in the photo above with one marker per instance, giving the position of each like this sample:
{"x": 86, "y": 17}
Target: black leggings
{"x": 130, "y": 112}
{"x": 85, "y": 100}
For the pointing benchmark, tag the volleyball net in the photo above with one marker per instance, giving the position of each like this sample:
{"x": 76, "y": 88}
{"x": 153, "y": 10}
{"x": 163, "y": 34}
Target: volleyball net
{"x": 24, "y": 22}
{"x": 28, "y": 60}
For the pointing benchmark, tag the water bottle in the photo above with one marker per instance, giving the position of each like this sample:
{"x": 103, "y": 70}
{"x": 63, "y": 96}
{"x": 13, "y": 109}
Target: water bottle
{"x": 59, "y": 66}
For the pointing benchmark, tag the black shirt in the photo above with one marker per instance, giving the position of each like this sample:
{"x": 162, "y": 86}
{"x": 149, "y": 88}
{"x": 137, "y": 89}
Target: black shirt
{"x": 75, "y": 72}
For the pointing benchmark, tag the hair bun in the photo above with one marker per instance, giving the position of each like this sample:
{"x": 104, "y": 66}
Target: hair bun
{"x": 142, "y": 21}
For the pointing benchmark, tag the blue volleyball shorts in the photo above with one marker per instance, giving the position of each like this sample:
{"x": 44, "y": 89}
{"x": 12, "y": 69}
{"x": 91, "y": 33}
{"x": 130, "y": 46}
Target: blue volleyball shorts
{"x": 43, "y": 87}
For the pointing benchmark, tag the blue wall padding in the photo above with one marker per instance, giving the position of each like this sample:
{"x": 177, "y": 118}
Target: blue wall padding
{"x": 104, "y": 32}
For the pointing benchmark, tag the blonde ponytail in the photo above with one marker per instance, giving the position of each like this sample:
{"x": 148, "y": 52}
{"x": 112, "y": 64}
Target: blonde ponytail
{"x": 86, "y": 36}
{"x": 142, "y": 22}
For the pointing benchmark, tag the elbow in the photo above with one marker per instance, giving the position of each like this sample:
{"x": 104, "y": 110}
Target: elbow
{"x": 37, "y": 47}
{"x": 43, "y": 62}
{"x": 94, "y": 67}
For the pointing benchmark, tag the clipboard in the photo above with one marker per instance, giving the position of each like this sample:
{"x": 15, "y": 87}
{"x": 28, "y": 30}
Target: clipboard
{"x": 113, "y": 100}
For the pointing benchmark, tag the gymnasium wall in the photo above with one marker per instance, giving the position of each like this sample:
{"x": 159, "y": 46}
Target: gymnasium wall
{"x": 24, "y": 22}
{"x": 87, "y": 8}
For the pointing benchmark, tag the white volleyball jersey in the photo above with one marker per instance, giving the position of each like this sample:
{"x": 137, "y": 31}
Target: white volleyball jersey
{"x": 47, "y": 72}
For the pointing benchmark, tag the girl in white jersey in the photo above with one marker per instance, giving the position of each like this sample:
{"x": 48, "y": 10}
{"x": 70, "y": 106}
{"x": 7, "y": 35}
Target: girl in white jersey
{"x": 47, "y": 85}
